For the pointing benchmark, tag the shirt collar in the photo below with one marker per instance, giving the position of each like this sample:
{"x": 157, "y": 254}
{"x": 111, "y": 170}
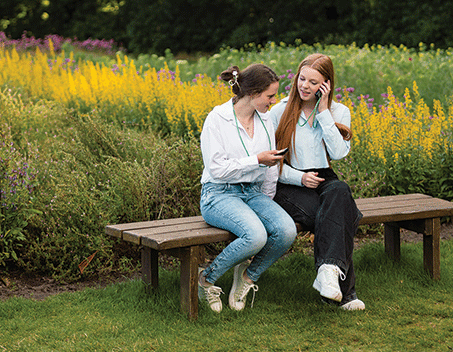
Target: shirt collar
{"x": 226, "y": 111}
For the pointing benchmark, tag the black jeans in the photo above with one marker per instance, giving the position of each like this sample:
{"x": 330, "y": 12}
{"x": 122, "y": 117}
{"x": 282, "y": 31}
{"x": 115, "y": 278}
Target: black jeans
{"x": 330, "y": 213}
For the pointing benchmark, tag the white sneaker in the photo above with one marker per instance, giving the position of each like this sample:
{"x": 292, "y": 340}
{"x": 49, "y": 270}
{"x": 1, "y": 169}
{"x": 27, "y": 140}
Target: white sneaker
{"x": 355, "y": 304}
{"x": 327, "y": 282}
{"x": 210, "y": 294}
{"x": 240, "y": 288}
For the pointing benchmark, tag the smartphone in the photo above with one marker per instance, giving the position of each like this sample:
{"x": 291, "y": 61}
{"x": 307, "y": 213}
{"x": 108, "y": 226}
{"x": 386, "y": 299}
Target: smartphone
{"x": 283, "y": 152}
{"x": 318, "y": 94}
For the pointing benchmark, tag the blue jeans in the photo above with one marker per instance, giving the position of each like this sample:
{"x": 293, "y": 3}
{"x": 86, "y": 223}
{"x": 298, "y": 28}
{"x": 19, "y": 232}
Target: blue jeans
{"x": 264, "y": 230}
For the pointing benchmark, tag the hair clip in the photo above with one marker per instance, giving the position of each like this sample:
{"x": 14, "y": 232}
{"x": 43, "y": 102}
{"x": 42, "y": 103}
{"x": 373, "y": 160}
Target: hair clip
{"x": 234, "y": 80}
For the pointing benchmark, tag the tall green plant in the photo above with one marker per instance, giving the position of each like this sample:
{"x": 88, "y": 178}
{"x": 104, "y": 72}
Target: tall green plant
{"x": 17, "y": 184}
{"x": 99, "y": 174}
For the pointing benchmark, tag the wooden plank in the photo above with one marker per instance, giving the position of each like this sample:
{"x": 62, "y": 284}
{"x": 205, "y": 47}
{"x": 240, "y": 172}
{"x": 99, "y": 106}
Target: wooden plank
{"x": 117, "y": 230}
{"x": 409, "y": 212}
{"x": 168, "y": 229}
{"x": 134, "y": 236}
{"x": 391, "y": 205}
{"x": 395, "y": 204}
{"x": 186, "y": 238}
{"x": 178, "y": 238}
{"x": 387, "y": 199}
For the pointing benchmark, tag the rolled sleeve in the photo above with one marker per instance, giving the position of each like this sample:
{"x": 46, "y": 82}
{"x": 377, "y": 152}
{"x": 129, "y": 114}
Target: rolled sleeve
{"x": 291, "y": 176}
{"x": 336, "y": 146}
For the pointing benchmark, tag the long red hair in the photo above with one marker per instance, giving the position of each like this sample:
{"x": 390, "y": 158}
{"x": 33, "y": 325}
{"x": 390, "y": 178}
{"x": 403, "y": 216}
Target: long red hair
{"x": 285, "y": 134}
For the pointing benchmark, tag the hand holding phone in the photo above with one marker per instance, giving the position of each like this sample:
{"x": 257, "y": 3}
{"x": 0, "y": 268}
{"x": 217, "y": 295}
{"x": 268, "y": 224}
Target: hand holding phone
{"x": 282, "y": 152}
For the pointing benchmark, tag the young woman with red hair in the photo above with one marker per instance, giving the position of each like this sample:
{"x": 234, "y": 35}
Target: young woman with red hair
{"x": 316, "y": 129}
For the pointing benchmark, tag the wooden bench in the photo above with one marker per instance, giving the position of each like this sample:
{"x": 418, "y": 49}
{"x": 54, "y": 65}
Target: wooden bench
{"x": 185, "y": 237}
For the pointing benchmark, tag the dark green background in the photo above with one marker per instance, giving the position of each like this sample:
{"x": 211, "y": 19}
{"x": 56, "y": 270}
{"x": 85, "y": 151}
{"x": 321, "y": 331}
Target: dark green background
{"x": 151, "y": 26}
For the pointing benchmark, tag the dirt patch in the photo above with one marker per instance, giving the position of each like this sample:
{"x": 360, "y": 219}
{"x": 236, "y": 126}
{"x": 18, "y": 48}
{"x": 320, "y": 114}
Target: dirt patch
{"x": 17, "y": 284}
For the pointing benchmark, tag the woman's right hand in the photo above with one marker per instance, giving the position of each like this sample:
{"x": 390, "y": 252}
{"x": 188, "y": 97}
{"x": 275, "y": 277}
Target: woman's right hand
{"x": 311, "y": 179}
{"x": 269, "y": 158}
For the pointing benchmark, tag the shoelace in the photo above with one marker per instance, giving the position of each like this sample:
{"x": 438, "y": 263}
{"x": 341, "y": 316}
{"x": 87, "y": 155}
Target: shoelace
{"x": 213, "y": 294}
{"x": 245, "y": 290}
{"x": 338, "y": 271}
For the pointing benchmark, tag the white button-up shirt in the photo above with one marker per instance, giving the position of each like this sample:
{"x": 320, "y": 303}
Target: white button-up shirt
{"x": 224, "y": 154}
{"x": 310, "y": 152}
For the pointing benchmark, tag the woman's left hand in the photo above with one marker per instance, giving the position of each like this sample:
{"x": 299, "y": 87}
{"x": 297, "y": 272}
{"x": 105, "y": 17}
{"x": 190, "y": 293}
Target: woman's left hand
{"x": 311, "y": 180}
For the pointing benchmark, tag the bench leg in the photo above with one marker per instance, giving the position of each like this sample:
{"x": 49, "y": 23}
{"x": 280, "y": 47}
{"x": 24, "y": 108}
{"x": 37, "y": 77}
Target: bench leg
{"x": 392, "y": 241}
{"x": 431, "y": 247}
{"x": 150, "y": 269}
{"x": 189, "y": 257}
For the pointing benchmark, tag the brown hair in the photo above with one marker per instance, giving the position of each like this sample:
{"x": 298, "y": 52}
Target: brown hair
{"x": 285, "y": 134}
{"x": 252, "y": 80}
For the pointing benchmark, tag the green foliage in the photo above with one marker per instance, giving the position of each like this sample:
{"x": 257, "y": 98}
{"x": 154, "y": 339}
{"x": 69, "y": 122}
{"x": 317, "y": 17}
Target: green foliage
{"x": 206, "y": 26}
{"x": 364, "y": 181}
{"x": 30, "y": 122}
{"x": 369, "y": 69}
{"x": 442, "y": 168}
{"x": 93, "y": 169}
{"x": 99, "y": 174}
{"x": 17, "y": 183}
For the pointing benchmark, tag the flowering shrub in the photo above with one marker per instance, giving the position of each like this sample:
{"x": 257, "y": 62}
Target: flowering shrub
{"x": 122, "y": 94}
{"x": 54, "y": 42}
{"x": 118, "y": 143}
{"x": 17, "y": 184}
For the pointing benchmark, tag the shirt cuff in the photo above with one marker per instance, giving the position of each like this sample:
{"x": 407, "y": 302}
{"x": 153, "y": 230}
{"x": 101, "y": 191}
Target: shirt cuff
{"x": 291, "y": 176}
{"x": 250, "y": 160}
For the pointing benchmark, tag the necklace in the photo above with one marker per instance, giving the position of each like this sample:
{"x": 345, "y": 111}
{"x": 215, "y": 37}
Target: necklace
{"x": 239, "y": 134}
{"x": 315, "y": 122}
{"x": 248, "y": 127}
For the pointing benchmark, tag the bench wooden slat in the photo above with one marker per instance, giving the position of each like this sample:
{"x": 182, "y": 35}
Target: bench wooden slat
{"x": 383, "y": 203}
{"x": 201, "y": 224}
{"x": 428, "y": 209}
{"x": 399, "y": 197}
{"x": 389, "y": 203}
{"x": 186, "y": 238}
{"x": 135, "y": 235}
{"x": 117, "y": 230}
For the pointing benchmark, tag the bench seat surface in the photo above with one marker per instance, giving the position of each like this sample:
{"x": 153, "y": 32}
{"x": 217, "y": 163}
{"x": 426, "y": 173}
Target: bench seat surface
{"x": 181, "y": 232}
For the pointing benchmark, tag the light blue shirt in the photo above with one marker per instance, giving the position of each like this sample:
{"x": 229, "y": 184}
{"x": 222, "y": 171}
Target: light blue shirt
{"x": 309, "y": 151}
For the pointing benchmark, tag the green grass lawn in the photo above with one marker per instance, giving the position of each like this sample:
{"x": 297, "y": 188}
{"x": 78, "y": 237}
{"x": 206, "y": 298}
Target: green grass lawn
{"x": 406, "y": 310}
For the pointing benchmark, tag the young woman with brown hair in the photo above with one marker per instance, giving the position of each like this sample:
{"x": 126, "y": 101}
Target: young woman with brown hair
{"x": 240, "y": 166}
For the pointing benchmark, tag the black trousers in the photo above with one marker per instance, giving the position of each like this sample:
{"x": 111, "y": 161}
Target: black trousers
{"x": 331, "y": 214}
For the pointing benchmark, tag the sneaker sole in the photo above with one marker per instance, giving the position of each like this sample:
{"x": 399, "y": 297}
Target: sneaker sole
{"x": 356, "y": 304}
{"x": 233, "y": 288}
